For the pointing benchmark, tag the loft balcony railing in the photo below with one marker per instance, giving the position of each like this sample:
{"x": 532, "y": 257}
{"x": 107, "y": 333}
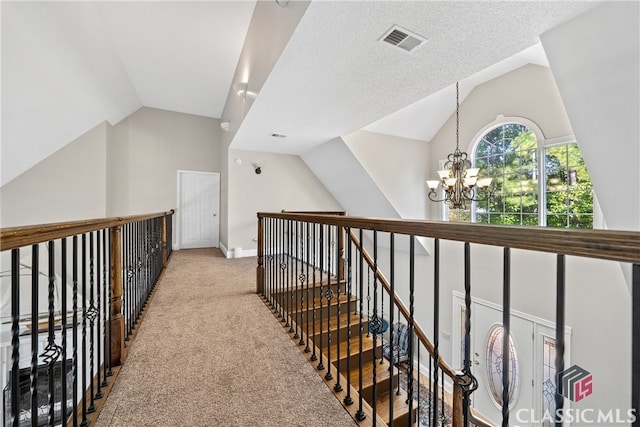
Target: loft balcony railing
{"x": 72, "y": 294}
{"x": 321, "y": 274}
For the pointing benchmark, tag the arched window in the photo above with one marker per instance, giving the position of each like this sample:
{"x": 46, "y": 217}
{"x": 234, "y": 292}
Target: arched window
{"x": 509, "y": 155}
{"x": 534, "y": 181}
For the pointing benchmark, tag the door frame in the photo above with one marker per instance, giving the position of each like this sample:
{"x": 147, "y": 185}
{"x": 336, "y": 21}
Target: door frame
{"x": 541, "y": 328}
{"x": 177, "y": 225}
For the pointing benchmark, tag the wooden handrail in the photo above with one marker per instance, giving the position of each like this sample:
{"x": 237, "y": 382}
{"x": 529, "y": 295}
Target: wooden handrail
{"x": 451, "y": 373}
{"x": 610, "y": 245}
{"x": 16, "y": 237}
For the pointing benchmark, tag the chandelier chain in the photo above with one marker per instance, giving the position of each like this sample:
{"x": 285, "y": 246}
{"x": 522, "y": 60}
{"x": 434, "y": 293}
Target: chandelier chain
{"x": 457, "y": 116}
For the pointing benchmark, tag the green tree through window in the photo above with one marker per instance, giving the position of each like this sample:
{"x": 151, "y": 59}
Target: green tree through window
{"x": 569, "y": 188}
{"x": 509, "y": 154}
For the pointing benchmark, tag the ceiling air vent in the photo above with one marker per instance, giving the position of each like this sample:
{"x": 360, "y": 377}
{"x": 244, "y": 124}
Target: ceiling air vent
{"x": 403, "y": 39}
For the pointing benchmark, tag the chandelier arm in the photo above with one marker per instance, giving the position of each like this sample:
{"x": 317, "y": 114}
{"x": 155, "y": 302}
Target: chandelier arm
{"x": 432, "y": 195}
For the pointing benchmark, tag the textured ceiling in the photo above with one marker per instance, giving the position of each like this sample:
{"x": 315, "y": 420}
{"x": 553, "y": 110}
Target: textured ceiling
{"x": 69, "y": 66}
{"x": 336, "y": 77}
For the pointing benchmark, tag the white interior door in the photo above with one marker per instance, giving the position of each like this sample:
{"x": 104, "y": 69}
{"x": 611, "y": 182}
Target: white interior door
{"x": 486, "y": 359}
{"x": 198, "y": 208}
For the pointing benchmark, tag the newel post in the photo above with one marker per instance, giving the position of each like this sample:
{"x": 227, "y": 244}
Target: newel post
{"x": 117, "y": 320}
{"x": 458, "y": 408}
{"x": 260, "y": 269}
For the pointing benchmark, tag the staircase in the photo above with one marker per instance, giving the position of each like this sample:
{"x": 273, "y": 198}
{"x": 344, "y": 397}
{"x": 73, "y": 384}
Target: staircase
{"x": 349, "y": 359}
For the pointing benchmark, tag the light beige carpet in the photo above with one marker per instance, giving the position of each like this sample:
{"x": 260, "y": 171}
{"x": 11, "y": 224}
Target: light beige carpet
{"x": 210, "y": 353}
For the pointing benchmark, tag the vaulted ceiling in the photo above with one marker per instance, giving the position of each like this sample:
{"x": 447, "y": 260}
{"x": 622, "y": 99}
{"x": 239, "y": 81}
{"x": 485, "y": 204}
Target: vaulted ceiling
{"x": 68, "y": 66}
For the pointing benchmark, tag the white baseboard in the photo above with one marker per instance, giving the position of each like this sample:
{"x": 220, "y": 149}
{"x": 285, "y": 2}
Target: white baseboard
{"x": 238, "y": 252}
{"x": 224, "y": 250}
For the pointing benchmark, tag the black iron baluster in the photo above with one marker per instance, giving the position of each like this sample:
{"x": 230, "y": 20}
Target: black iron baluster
{"x": 360, "y": 415}
{"x": 291, "y": 277}
{"x": 329, "y": 295}
{"x": 111, "y": 262}
{"x": 273, "y": 263}
{"x": 35, "y": 268}
{"x": 51, "y": 351}
{"x": 436, "y": 327}
{"x": 75, "y": 330}
{"x": 268, "y": 267}
{"x": 466, "y": 379}
{"x": 442, "y": 413}
{"x": 307, "y": 349}
{"x": 288, "y": 292}
{"x": 412, "y": 251}
{"x": 506, "y": 326}
{"x": 392, "y": 284}
{"x": 105, "y": 285}
{"x": 417, "y": 396}
{"x": 129, "y": 275}
{"x": 635, "y": 343}
{"x": 296, "y": 280}
{"x": 368, "y": 291}
{"x": 282, "y": 269}
{"x": 348, "y": 400}
{"x": 98, "y": 313}
{"x": 314, "y": 356}
{"x": 63, "y": 329}
{"x": 560, "y": 319}
{"x": 85, "y": 421}
{"x": 338, "y": 387}
{"x": 321, "y": 365}
{"x": 15, "y": 337}
{"x": 302, "y": 317}
{"x": 374, "y": 326}
{"x": 91, "y": 315}
{"x": 433, "y": 397}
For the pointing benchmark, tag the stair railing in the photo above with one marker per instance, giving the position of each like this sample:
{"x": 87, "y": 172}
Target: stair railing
{"x": 313, "y": 283}
{"x": 73, "y": 294}
{"x": 439, "y": 402}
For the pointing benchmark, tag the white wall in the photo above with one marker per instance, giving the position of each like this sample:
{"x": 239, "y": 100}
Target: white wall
{"x": 68, "y": 185}
{"x": 400, "y": 174}
{"x": 148, "y": 148}
{"x": 347, "y": 180}
{"x": 56, "y": 85}
{"x": 595, "y": 59}
{"x": 285, "y": 183}
{"x": 269, "y": 31}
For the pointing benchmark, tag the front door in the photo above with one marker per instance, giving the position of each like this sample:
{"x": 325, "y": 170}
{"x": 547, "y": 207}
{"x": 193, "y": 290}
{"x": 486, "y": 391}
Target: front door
{"x": 486, "y": 356}
{"x": 198, "y": 208}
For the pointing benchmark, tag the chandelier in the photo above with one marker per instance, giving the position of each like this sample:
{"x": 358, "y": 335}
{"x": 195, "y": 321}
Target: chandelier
{"x": 458, "y": 179}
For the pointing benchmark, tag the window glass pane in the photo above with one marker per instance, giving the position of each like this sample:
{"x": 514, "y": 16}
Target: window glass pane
{"x": 530, "y": 219}
{"x": 569, "y": 188}
{"x": 507, "y": 154}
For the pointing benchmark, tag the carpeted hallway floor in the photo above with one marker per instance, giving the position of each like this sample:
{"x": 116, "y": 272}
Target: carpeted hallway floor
{"x": 210, "y": 353}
